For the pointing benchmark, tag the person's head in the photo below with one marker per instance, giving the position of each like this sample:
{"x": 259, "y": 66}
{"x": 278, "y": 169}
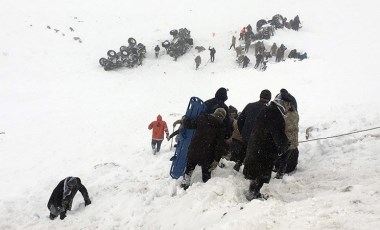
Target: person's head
{"x": 220, "y": 114}
{"x": 221, "y": 94}
{"x": 265, "y": 95}
{"x": 159, "y": 118}
{"x": 233, "y": 112}
{"x": 283, "y": 90}
{"x": 71, "y": 183}
{"x": 283, "y": 101}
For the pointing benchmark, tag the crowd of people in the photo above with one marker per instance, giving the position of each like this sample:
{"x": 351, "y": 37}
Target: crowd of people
{"x": 263, "y": 138}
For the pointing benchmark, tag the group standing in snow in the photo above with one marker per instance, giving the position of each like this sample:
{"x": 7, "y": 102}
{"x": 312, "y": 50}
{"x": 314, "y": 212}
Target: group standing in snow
{"x": 263, "y": 138}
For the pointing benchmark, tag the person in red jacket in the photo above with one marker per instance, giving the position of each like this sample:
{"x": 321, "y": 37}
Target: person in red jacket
{"x": 159, "y": 127}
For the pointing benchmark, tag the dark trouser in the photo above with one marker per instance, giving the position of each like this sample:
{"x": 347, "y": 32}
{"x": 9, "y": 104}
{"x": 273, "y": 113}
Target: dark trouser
{"x": 288, "y": 161}
{"x": 232, "y": 45}
{"x": 241, "y": 37}
{"x": 190, "y": 166}
{"x": 197, "y": 65}
{"x": 237, "y": 149}
{"x": 156, "y": 54}
{"x": 158, "y": 143}
{"x": 255, "y": 186}
{"x": 212, "y": 58}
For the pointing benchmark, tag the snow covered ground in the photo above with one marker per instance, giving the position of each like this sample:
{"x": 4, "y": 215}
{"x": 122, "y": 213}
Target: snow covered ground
{"x": 63, "y": 115}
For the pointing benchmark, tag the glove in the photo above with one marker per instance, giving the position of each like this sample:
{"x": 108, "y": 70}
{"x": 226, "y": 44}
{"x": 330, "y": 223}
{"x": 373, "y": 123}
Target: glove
{"x": 213, "y": 165}
{"x": 62, "y": 215}
{"x": 87, "y": 202}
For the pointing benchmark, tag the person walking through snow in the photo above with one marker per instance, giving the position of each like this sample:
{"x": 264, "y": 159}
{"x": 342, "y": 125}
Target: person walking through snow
{"x": 158, "y": 127}
{"x": 207, "y": 146}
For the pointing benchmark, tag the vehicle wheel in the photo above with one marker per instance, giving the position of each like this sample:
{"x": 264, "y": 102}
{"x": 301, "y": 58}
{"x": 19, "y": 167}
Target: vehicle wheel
{"x": 131, "y": 41}
{"x": 124, "y": 53}
{"x": 102, "y": 61}
{"x": 123, "y": 48}
{"x": 111, "y": 53}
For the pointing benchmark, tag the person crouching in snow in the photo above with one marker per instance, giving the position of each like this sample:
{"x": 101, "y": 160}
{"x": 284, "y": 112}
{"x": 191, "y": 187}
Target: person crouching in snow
{"x": 207, "y": 146}
{"x": 159, "y": 128}
{"x": 62, "y": 197}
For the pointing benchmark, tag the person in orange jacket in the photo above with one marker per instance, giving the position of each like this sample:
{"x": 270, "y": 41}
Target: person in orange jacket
{"x": 159, "y": 127}
{"x": 242, "y": 33}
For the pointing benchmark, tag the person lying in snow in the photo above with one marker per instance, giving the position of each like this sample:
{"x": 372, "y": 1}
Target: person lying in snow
{"x": 62, "y": 197}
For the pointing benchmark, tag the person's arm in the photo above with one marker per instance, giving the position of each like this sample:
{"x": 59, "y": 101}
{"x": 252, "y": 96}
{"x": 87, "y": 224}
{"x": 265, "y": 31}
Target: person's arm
{"x": 277, "y": 130}
{"x": 84, "y": 192}
{"x": 150, "y": 126}
{"x": 166, "y": 130}
{"x": 175, "y": 133}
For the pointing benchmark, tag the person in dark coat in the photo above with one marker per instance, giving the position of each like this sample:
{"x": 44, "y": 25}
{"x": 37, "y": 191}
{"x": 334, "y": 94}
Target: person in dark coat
{"x": 245, "y": 61}
{"x": 212, "y": 53}
{"x": 207, "y": 146}
{"x": 266, "y": 142}
{"x": 219, "y": 102}
{"x": 289, "y": 160}
{"x": 156, "y": 51}
{"x": 259, "y": 60}
{"x": 62, "y": 197}
{"x": 247, "y": 119}
{"x": 293, "y": 101}
{"x": 296, "y": 23}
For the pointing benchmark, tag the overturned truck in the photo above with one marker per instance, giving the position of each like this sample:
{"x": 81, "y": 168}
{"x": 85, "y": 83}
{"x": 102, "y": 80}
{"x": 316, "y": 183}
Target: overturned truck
{"x": 128, "y": 56}
{"x": 180, "y": 43}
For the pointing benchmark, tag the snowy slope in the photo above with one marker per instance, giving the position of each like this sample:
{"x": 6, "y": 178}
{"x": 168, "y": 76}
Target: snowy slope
{"x": 63, "y": 115}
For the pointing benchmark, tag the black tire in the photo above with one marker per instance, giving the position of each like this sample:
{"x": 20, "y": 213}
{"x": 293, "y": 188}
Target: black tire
{"x": 165, "y": 44}
{"x": 124, "y": 53}
{"x": 123, "y": 48}
{"x": 111, "y": 53}
{"x": 103, "y": 61}
{"x": 260, "y": 23}
{"x": 131, "y": 41}
{"x": 173, "y": 32}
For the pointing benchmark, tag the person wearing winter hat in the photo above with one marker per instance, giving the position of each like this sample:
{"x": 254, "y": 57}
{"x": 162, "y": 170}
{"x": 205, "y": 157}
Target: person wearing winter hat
{"x": 288, "y": 161}
{"x": 159, "y": 127}
{"x": 219, "y": 102}
{"x": 207, "y": 146}
{"x": 293, "y": 100}
{"x": 266, "y": 142}
{"x": 62, "y": 197}
{"x": 246, "y": 122}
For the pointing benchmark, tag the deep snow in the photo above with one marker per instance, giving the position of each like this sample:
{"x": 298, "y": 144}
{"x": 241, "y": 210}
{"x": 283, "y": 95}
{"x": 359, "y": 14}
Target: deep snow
{"x": 63, "y": 115}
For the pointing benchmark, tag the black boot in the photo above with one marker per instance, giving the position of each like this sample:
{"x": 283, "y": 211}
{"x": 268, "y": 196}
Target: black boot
{"x": 254, "y": 190}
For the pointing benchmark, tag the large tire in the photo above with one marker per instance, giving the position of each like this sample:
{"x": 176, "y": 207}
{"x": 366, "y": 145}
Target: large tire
{"x": 123, "y": 48}
{"x": 260, "y": 23}
{"x": 111, "y": 53}
{"x": 103, "y": 61}
{"x": 124, "y": 53}
{"x": 131, "y": 41}
{"x": 165, "y": 44}
{"x": 173, "y": 33}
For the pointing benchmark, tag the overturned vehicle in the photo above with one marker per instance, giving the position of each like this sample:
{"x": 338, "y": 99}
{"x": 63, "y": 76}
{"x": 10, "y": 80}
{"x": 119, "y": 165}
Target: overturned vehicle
{"x": 128, "y": 56}
{"x": 180, "y": 44}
